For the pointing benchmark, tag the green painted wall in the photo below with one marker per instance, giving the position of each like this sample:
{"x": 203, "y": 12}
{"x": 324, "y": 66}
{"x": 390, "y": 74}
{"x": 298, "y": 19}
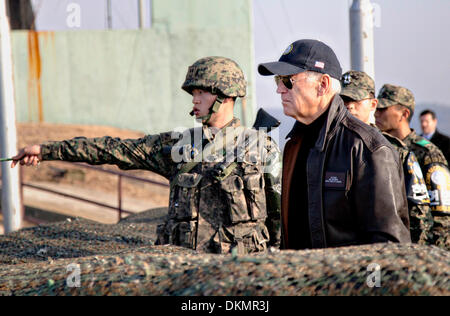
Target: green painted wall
{"x": 131, "y": 78}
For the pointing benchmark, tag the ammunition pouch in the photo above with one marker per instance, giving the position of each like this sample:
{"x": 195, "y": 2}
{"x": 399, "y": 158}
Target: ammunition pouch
{"x": 184, "y": 197}
{"x": 177, "y": 233}
{"x": 250, "y": 239}
{"x": 245, "y": 198}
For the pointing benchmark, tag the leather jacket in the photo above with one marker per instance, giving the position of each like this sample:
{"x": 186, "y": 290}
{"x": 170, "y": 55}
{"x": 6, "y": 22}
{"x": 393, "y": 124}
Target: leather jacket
{"x": 356, "y": 191}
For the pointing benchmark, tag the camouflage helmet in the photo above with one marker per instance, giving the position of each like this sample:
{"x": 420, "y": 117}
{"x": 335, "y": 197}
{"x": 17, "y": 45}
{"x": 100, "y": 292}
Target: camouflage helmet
{"x": 219, "y": 75}
{"x": 357, "y": 85}
{"x": 390, "y": 95}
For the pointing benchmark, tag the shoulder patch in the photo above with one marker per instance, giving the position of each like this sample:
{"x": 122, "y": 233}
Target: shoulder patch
{"x": 422, "y": 142}
{"x": 416, "y": 189}
{"x": 438, "y": 182}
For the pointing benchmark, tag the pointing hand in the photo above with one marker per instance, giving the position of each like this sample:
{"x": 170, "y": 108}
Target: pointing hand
{"x": 29, "y": 156}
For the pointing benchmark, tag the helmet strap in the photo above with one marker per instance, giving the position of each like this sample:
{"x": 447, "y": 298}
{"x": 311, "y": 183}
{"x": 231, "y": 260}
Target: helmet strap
{"x": 213, "y": 109}
{"x": 216, "y": 105}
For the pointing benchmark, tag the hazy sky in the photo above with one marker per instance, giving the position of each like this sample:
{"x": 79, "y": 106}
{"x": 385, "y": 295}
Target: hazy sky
{"x": 412, "y": 44}
{"x": 52, "y": 14}
{"x": 412, "y": 40}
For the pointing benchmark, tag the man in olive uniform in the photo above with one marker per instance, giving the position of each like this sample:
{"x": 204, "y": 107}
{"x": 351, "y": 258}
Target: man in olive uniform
{"x": 224, "y": 178}
{"x": 358, "y": 93}
{"x": 394, "y": 112}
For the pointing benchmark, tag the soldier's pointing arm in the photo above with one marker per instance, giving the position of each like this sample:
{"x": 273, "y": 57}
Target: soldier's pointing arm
{"x": 142, "y": 153}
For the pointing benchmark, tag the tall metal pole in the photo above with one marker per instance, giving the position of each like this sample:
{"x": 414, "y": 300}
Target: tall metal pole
{"x": 11, "y": 201}
{"x": 142, "y": 8}
{"x": 361, "y": 39}
{"x": 109, "y": 14}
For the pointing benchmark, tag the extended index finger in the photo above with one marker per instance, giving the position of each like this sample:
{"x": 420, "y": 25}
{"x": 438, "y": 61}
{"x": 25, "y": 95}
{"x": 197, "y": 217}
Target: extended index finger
{"x": 17, "y": 158}
{"x": 14, "y": 163}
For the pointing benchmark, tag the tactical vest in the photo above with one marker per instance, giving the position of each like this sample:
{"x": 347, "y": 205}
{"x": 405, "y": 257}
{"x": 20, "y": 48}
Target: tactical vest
{"x": 217, "y": 204}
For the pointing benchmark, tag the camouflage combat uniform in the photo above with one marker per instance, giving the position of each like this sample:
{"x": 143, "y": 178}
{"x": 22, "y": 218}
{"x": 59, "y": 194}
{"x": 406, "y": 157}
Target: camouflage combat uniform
{"x": 357, "y": 85}
{"x": 432, "y": 163}
{"x": 420, "y": 216}
{"x": 216, "y": 204}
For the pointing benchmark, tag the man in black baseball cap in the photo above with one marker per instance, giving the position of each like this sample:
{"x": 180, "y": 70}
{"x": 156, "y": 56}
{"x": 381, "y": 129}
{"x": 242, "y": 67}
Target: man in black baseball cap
{"x": 304, "y": 61}
{"x": 302, "y": 56}
{"x": 342, "y": 181}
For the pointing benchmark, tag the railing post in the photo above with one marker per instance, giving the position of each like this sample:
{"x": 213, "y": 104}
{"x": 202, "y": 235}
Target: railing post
{"x": 120, "y": 196}
{"x": 22, "y": 204}
{"x": 121, "y": 175}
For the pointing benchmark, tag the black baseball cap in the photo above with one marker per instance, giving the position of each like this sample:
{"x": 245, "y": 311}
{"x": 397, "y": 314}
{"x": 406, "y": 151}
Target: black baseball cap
{"x": 304, "y": 55}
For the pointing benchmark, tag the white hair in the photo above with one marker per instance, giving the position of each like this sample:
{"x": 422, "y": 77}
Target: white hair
{"x": 336, "y": 86}
{"x": 335, "y": 83}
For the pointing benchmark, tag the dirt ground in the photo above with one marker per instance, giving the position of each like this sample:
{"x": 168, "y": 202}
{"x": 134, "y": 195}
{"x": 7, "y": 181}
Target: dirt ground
{"x": 66, "y": 173}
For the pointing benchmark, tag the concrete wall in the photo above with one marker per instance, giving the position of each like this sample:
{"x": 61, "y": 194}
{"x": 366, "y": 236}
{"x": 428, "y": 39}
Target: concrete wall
{"x": 130, "y": 78}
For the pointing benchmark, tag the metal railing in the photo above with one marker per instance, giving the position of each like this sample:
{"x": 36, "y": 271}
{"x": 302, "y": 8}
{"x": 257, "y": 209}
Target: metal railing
{"x": 120, "y": 175}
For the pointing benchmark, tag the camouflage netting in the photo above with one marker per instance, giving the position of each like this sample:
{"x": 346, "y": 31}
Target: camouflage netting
{"x": 122, "y": 260}
{"x": 79, "y": 238}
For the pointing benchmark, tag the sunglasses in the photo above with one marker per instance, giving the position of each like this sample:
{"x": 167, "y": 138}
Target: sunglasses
{"x": 287, "y": 81}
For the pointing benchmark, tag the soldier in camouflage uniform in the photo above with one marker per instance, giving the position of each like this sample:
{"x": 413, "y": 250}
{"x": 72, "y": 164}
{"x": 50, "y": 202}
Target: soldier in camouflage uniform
{"x": 394, "y": 112}
{"x": 224, "y": 178}
{"x": 358, "y": 93}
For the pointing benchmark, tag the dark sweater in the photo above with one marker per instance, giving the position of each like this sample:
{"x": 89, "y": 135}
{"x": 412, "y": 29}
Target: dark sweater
{"x": 299, "y": 230}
